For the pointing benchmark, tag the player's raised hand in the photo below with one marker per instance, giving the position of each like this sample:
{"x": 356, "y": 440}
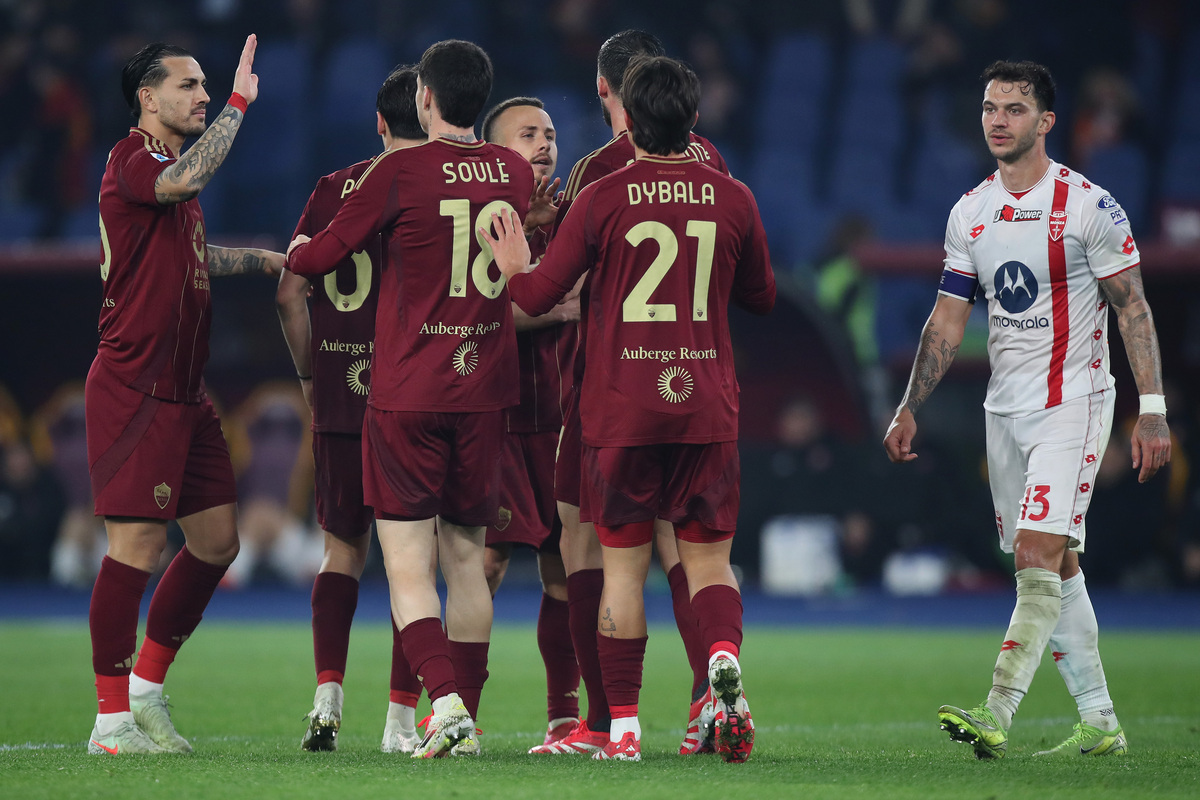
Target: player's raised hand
{"x": 509, "y": 247}
{"x": 1151, "y": 445}
{"x": 245, "y": 82}
{"x": 898, "y": 441}
{"x": 543, "y": 204}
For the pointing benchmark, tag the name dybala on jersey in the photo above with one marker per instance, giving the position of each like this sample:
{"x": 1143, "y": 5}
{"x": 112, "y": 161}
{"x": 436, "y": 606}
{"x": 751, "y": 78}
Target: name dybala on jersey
{"x": 1038, "y": 256}
{"x": 443, "y": 328}
{"x": 157, "y": 308}
{"x": 669, "y": 242}
{"x": 342, "y": 313}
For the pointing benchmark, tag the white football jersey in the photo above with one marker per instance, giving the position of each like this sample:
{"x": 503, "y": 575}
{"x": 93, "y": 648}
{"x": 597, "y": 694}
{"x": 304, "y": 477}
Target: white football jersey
{"x": 1039, "y": 258}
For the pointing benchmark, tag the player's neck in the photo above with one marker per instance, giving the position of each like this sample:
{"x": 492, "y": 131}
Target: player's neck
{"x": 639, "y": 153}
{"x": 440, "y": 129}
{"x": 1025, "y": 173}
{"x": 165, "y": 135}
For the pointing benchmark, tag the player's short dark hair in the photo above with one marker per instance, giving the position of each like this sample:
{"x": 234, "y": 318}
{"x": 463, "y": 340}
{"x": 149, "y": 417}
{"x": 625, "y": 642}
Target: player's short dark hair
{"x": 460, "y": 75}
{"x": 619, "y": 50}
{"x": 146, "y": 69}
{"x": 661, "y": 96}
{"x": 397, "y": 103}
{"x": 489, "y": 120}
{"x": 1026, "y": 73}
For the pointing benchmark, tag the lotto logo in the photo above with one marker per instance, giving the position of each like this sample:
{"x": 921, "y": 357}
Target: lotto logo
{"x": 1129, "y": 246}
{"x": 1077, "y": 519}
{"x": 1096, "y": 334}
{"x": 1090, "y": 458}
{"x": 1084, "y": 488}
{"x": 978, "y": 229}
{"x": 1096, "y": 364}
{"x": 1064, "y": 172}
{"x": 1010, "y": 645}
{"x": 1057, "y": 655}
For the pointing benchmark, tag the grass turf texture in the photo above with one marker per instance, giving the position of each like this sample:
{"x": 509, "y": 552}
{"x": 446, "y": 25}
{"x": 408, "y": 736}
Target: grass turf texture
{"x": 839, "y": 713}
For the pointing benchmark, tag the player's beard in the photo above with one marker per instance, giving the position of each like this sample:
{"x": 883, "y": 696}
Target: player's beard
{"x": 1020, "y": 147}
{"x": 607, "y": 116}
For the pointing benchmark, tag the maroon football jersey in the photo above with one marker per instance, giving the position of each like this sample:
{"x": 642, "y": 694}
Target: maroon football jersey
{"x": 444, "y": 336}
{"x": 669, "y": 242}
{"x": 342, "y": 310}
{"x": 546, "y": 357}
{"x": 615, "y": 155}
{"x": 156, "y": 307}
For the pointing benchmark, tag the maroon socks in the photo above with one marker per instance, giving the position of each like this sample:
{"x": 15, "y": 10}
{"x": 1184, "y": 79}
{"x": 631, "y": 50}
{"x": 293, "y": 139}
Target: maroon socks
{"x": 113, "y": 619}
{"x": 583, "y": 592}
{"x": 558, "y": 654}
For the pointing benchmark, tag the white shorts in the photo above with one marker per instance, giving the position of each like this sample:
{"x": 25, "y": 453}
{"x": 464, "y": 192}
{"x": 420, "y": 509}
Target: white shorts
{"x": 1042, "y": 467}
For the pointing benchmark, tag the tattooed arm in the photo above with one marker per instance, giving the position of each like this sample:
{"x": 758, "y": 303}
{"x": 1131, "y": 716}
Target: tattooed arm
{"x": 186, "y": 177}
{"x": 940, "y": 339}
{"x": 224, "y": 261}
{"x": 1151, "y": 442}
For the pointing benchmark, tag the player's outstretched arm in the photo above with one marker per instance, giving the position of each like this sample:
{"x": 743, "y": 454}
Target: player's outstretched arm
{"x": 186, "y": 177}
{"x": 1151, "y": 442}
{"x": 291, "y": 304}
{"x": 940, "y": 340}
{"x": 224, "y": 261}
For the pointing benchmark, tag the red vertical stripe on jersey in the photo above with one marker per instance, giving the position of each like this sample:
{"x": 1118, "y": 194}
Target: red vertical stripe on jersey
{"x": 1058, "y": 298}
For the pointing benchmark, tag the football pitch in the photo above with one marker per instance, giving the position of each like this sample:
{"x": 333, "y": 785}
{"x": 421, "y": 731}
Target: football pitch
{"x": 838, "y": 712}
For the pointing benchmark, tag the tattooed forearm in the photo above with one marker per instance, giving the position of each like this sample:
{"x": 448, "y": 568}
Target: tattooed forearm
{"x": 934, "y": 358}
{"x": 1128, "y": 298}
{"x": 191, "y": 173}
{"x": 224, "y": 261}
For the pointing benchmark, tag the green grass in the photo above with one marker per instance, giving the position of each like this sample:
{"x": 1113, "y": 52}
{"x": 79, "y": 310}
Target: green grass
{"x": 839, "y": 713}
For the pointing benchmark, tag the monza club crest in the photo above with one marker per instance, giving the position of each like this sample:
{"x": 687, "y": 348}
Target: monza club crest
{"x": 1058, "y": 224}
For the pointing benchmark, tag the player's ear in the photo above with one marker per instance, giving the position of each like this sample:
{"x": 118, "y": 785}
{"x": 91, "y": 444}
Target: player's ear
{"x": 628, "y": 121}
{"x": 381, "y": 127}
{"x": 1046, "y": 123}
{"x": 146, "y": 99}
{"x": 602, "y": 88}
{"x": 696, "y": 120}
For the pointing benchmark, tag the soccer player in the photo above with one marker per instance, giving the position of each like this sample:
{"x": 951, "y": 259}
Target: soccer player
{"x": 443, "y": 371}
{"x": 1050, "y": 251}
{"x": 154, "y": 442}
{"x": 546, "y": 349}
{"x": 581, "y": 548}
{"x": 668, "y": 241}
{"x": 331, "y": 349}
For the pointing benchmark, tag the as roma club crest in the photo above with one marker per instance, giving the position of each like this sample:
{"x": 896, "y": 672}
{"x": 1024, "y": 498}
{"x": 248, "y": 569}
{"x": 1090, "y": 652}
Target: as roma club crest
{"x": 504, "y": 518}
{"x": 162, "y": 495}
{"x": 1058, "y": 224}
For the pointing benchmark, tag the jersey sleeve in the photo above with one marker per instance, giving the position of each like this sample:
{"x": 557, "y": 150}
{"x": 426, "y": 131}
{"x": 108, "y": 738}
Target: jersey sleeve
{"x": 960, "y": 278}
{"x": 364, "y": 214}
{"x": 568, "y": 256}
{"x": 138, "y": 173}
{"x": 754, "y": 280}
{"x": 1107, "y": 238}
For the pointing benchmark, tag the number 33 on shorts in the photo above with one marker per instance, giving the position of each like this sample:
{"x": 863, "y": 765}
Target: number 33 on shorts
{"x": 1036, "y": 495}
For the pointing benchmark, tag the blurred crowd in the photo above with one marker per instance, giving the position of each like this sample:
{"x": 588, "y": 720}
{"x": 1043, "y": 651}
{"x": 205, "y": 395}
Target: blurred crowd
{"x": 853, "y": 122}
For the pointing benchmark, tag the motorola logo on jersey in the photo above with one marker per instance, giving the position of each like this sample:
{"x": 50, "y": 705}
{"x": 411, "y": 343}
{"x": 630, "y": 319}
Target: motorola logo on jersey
{"x": 1008, "y": 213}
{"x": 1015, "y": 286}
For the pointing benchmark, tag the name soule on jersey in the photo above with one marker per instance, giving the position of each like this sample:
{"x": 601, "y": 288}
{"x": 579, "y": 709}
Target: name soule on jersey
{"x": 669, "y": 242}
{"x": 1038, "y": 257}
{"x": 342, "y": 313}
{"x": 444, "y": 336}
{"x": 157, "y": 308}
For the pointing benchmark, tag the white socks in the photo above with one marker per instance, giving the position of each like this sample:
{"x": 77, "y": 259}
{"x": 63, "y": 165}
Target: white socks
{"x": 1039, "y": 602}
{"x": 622, "y": 726}
{"x": 105, "y": 723}
{"x": 1077, "y": 655}
{"x": 406, "y": 716}
{"x": 140, "y": 687}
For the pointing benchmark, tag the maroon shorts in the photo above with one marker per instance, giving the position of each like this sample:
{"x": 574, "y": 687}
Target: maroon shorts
{"x": 527, "y": 509}
{"x": 150, "y": 458}
{"x": 680, "y": 483}
{"x": 566, "y": 466}
{"x": 424, "y": 464}
{"x": 339, "y": 485}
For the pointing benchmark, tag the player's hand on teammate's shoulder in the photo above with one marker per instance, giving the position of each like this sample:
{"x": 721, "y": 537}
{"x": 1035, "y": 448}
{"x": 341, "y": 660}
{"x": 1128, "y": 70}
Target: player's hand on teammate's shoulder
{"x": 299, "y": 240}
{"x": 245, "y": 82}
{"x": 508, "y": 244}
{"x": 898, "y": 440}
{"x": 543, "y": 204}
{"x": 1151, "y": 445}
